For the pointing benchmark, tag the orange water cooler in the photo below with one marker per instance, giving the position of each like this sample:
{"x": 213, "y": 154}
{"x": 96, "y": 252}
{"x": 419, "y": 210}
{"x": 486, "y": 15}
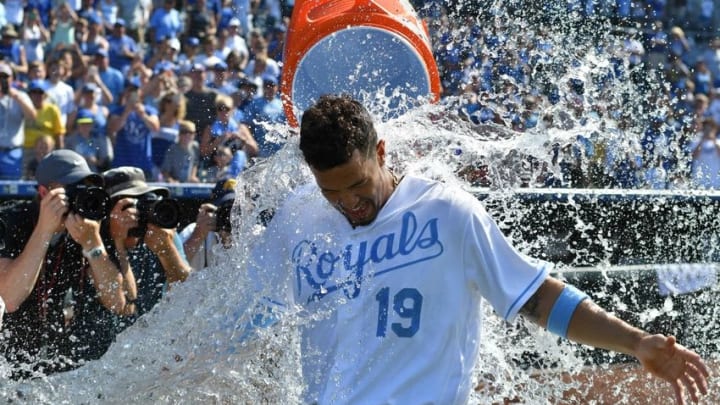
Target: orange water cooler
{"x": 371, "y": 49}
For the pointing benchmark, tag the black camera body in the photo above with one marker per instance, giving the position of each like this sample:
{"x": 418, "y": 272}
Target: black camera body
{"x": 90, "y": 202}
{"x": 156, "y": 210}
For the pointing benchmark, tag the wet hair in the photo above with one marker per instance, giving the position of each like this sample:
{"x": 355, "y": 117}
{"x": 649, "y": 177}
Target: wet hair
{"x": 333, "y": 128}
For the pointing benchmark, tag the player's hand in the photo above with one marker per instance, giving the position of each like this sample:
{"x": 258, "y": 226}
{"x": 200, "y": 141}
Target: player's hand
{"x": 663, "y": 357}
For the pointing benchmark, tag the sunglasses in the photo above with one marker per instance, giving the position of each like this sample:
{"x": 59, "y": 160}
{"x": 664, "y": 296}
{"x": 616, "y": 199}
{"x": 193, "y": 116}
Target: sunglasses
{"x": 223, "y": 108}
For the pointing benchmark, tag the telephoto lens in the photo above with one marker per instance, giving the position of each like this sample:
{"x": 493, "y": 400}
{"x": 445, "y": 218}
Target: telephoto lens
{"x": 222, "y": 217}
{"x": 156, "y": 210}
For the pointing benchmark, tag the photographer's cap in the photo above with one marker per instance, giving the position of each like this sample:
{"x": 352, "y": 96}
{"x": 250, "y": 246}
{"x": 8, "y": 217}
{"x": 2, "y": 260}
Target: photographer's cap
{"x": 65, "y": 166}
{"x": 223, "y": 191}
{"x": 129, "y": 181}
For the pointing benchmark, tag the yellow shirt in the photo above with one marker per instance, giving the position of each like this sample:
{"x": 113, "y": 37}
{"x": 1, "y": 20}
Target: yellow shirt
{"x": 48, "y": 122}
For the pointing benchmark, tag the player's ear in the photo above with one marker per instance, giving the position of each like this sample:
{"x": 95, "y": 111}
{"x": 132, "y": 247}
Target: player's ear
{"x": 380, "y": 152}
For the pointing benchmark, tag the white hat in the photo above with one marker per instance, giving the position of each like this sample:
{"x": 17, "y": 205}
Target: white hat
{"x": 234, "y": 22}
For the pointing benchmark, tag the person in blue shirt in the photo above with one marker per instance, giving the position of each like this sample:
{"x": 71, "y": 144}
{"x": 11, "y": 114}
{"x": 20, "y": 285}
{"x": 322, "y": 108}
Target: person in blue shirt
{"x": 112, "y": 78}
{"x": 225, "y": 131}
{"x": 131, "y": 126}
{"x": 165, "y": 21}
{"x": 267, "y": 109}
{"x": 123, "y": 49}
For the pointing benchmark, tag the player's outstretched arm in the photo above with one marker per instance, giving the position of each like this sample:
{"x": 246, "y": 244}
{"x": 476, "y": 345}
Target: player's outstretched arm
{"x": 566, "y": 311}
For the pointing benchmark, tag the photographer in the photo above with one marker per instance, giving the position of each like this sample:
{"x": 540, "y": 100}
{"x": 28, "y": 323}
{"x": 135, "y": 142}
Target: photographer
{"x": 15, "y": 108}
{"x": 142, "y": 227}
{"x": 211, "y": 227}
{"x": 55, "y": 273}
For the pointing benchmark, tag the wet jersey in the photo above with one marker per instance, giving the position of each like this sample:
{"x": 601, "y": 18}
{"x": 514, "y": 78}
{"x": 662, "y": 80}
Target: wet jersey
{"x": 394, "y": 308}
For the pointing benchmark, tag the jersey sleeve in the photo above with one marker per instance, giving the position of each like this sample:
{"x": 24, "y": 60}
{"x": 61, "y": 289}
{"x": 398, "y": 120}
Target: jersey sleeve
{"x": 506, "y": 277}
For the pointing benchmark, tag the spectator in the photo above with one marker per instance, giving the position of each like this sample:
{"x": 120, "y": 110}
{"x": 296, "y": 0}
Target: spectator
{"x": 62, "y": 28}
{"x": 112, "y": 78}
{"x": 130, "y": 128}
{"x": 225, "y": 131}
{"x": 200, "y": 20}
{"x": 35, "y": 37}
{"x": 212, "y": 226}
{"x": 59, "y": 92}
{"x": 200, "y": 99}
{"x": 15, "y": 108}
{"x": 11, "y": 50}
{"x": 165, "y": 22}
{"x": 188, "y": 58}
{"x": 219, "y": 82}
{"x": 85, "y": 99}
{"x": 247, "y": 91}
{"x": 705, "y": 153}
{"x": 122, "y": 48}
{"x": 182, "y": 159}
{"x": 43, "y": 146}
{"x": 55, "y": 264}
{"x": 221, "y": 167}
{"x": 95, "y": 38}
{"x": 172, "y": 111}
{"x": 155, "y": 254}
{"x": 263, "y": 111}
{"x": 47, "y": 120}
{"x": 261, "y": 65}
{"x": 95, "y": 148}
{"x": 135, "y": 14}
{"x": 236, "y": 42}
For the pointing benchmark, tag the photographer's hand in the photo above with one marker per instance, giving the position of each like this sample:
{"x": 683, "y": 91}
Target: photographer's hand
{"x": 86, "y": 232}
{"x": 53, "y": 207}
{"x": 162, "y": 242}
{"x": 123, "y": 217}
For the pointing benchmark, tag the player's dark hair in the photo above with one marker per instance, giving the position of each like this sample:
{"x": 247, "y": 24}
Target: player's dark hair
{"x": 333, "y": 128}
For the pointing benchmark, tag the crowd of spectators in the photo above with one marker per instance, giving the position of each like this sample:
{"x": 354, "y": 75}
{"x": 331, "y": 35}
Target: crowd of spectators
{"x": 185, "y": 90}
{"x": 182, "y": 90}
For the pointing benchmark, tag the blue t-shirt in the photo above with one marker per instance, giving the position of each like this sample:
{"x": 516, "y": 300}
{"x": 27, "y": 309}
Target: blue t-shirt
{"x": 133, "y": 146}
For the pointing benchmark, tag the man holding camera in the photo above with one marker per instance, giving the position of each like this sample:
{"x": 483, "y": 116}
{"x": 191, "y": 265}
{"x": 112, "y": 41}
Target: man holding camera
{"x": 142, "y": 228}
{"x": 54, "y": 269}
{"x": 15, "y": 108}
{"x": 212, "y": 226}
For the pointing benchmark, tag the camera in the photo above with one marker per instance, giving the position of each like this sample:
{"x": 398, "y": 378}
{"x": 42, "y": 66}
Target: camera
{"x": 222, "y": 218}
{"x": 156, "y": 210}
{"x": 90, "y": 202}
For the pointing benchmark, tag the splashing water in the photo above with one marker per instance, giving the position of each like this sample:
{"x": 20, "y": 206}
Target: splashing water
{"x": 191, "y": 348}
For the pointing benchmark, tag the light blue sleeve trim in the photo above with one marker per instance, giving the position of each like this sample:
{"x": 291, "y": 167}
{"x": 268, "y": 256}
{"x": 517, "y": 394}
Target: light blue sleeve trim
{"x": 563, "y": 310}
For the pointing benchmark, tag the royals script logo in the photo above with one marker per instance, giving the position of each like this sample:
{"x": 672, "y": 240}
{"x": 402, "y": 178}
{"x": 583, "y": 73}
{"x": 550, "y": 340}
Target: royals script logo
{"x": 327, "y": 272}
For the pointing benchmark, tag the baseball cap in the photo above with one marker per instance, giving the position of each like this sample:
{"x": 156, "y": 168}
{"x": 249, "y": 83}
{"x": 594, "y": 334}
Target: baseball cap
{"x": 129, "y": 181}
{"x": 220, "y": 65}
{"x": 101, "y": 52}
{"x": 89, "y": 87}
{"x": 234, "y": 22}
{"x": 133, "y": 82}
{"x": 37, "y": 85}
{"x": 193, "y": 41}
{"x": 85, "y": 116}
{"x": 197, "y": 67}
{"x": 5, "y": 69}
{"x": 93, "y": 18}
{"x": 223, "y": 191}
{"x": 163, "y": 66}
{"x": 120, "y": 22}
{"x": 267, "y": 78}
{"x": 174, "y": 43}
{"x": 245, "y": 81}
{"x": 65, "y": 166}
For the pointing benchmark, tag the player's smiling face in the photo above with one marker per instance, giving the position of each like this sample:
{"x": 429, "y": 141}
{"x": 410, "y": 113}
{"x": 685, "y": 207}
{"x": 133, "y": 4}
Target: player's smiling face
{"x": 356, "y": 188}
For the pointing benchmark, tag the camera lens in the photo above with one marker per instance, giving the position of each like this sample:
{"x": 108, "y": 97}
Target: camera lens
{"x": 166, "y": 214}
{"x": 90, "y": 202}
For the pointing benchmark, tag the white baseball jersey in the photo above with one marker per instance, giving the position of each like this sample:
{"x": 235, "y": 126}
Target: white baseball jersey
{"x": 394, "y": 308}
